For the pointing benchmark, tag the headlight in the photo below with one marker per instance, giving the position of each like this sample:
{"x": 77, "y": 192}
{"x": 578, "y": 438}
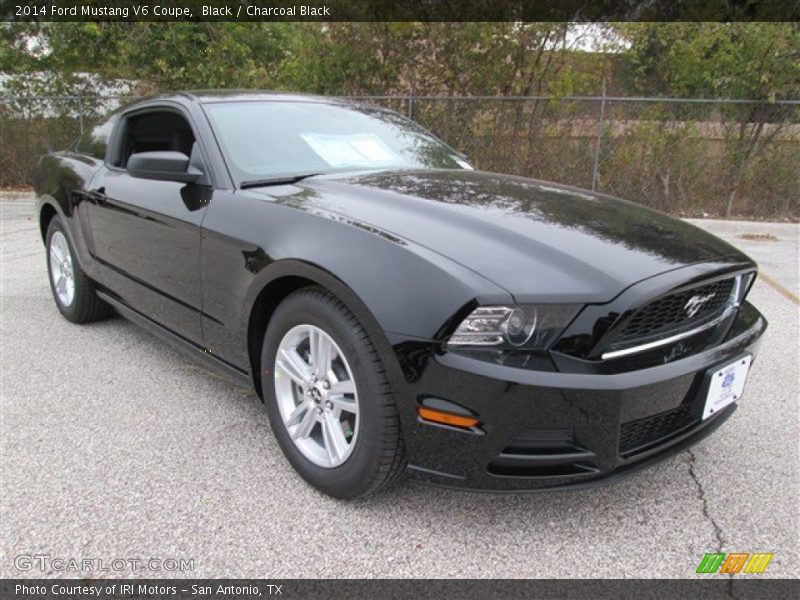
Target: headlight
{"x": 525, "y": 326}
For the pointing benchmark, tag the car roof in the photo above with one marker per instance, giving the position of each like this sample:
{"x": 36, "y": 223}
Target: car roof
{"x": 211, "y": 96}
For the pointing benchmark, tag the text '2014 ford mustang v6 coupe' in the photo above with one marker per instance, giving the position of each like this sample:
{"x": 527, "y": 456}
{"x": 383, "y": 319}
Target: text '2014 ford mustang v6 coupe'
{"x": 396, "y": 310}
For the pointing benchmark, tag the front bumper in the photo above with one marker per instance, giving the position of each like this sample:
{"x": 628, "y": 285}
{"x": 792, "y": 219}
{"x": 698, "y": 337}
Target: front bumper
{"x": 542, "y": 430}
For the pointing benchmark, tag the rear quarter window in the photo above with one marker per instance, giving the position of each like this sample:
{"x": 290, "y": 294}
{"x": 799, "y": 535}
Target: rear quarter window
{"x": 95, "y": 141}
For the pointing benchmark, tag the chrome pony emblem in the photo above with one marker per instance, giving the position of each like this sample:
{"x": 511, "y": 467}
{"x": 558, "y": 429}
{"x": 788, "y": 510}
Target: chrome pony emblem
{"x": 695, "y": 303}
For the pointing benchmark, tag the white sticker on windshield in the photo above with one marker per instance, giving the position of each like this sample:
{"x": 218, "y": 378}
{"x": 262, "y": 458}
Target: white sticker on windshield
{"x": 463, "y": 164}
{"x": 373, "y": 148}
{"x": 363, "y": 149}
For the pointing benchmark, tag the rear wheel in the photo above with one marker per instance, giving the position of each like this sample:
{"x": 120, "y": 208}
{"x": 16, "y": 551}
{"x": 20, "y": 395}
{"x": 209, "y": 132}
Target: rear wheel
{"x": 73, "y": 292}
{"x": 328, "y": 398}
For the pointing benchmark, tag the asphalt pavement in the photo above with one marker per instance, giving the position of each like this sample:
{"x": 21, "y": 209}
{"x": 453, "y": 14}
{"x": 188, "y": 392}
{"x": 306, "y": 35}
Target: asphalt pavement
{"x": 114, "y": 446}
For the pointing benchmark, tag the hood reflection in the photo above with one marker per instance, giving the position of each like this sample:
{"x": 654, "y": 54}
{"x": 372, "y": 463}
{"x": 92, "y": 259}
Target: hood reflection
{"x": 537, "y": 240}
{"x": 618, "y": 221}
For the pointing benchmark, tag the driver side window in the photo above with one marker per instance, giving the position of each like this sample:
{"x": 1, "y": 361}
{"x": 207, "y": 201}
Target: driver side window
{"x": 154, "y": 131}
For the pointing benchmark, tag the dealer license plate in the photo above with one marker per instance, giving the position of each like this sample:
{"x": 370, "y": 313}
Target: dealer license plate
{"x": 727, "y": 385}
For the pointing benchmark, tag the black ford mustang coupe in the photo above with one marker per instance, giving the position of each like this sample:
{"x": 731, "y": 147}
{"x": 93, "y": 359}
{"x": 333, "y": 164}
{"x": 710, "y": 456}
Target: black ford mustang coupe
{"x": 395, "y": 309}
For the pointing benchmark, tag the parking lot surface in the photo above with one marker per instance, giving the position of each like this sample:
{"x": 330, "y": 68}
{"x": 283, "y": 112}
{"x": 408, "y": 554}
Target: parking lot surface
{"x": 114, "y": 446}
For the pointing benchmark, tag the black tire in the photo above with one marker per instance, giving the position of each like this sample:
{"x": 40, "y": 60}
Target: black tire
{"x": 85, "y": 306}
{"x": 378, "y": 456}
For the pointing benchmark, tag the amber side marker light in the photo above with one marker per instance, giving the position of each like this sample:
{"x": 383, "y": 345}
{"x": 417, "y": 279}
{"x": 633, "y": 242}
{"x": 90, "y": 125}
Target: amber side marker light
{"x": 428, "y": 414}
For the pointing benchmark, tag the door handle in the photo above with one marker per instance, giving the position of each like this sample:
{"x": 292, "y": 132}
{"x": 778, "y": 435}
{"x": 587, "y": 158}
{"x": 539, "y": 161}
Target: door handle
{"x": 98, "y": 195}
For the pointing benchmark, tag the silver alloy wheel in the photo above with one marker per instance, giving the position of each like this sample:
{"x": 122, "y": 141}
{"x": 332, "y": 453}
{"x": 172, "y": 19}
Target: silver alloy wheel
{"x": 317, "y": 396}
{"x": 61, "y": 272}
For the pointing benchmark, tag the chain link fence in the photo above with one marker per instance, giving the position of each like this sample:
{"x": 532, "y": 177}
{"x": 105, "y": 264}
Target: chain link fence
{"x": 689, "y": 157}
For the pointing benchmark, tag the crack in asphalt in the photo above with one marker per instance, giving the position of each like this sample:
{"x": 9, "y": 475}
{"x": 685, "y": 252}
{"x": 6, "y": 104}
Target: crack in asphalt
{"x": 702, "y": 496}
{"x": 718, "y": 536}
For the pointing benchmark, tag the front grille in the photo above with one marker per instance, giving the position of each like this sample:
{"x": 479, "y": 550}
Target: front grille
{"x": 677, "y": 312}
{"x": 637, "y": 436}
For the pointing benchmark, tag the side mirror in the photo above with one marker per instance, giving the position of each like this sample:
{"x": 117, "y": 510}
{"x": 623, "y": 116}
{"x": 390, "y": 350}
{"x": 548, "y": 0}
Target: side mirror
{"x": 163, "y": 166}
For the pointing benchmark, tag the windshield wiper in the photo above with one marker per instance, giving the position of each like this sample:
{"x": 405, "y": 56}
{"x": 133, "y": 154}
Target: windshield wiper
{"x": 277, "y": 180}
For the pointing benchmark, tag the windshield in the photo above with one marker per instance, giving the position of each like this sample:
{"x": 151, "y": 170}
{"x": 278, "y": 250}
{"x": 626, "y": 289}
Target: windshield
{"x": 266, "y": 139}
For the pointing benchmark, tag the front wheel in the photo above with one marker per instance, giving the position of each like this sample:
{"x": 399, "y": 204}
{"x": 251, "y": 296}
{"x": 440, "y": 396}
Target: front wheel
{"x": 328, "y": 398}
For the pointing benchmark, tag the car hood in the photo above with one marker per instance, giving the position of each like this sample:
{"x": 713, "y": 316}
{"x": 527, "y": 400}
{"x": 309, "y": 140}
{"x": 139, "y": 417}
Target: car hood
{"x": 533, "y": 238}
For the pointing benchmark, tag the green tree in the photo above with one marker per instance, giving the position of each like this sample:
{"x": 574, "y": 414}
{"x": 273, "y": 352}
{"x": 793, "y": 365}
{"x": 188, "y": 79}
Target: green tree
{"x": 754, "y": 61}
{"x": 347, "y": 58}
{"x": 157, "y": 56}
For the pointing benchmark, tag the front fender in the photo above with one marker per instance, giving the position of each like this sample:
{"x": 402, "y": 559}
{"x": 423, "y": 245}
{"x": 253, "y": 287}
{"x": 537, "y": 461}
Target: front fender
{"x": 391, "y": 284}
